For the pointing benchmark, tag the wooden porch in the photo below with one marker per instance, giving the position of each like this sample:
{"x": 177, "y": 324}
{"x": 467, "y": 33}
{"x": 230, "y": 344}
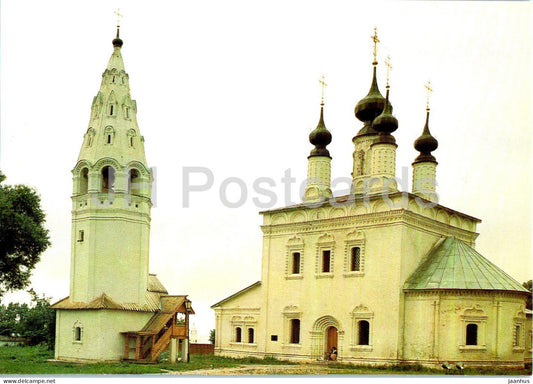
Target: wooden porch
{"x": 146, "y": 345}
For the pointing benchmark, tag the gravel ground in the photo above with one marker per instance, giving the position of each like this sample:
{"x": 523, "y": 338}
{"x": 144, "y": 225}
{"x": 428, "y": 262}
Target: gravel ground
{"x": 262, "y": 370}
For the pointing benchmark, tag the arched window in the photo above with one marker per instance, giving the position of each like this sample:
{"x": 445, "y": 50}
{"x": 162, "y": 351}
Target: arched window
{"x": 84, "y": 181}
{"x": 77, "y": 334}
{"x": 471, "y": 334}
{"x": 296, "y": 262}
{"x": 250, "y": 335}
{"x": 108, "y": 179}
{"x": 364, "y": 333}
{"x": 355, "y": 262}
{"x": 238, "y": 335}
{"x": 109, "y": 134}
{"x": 295, "y": 331}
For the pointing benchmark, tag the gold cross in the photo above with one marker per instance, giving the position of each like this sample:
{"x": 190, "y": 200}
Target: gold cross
{"x": 324, "y": 85}
{"x": 389, "y": 68}
{"x": 376, "y": 41}
{"x": 429, "y": 90}
{"x": 119, "y": 16}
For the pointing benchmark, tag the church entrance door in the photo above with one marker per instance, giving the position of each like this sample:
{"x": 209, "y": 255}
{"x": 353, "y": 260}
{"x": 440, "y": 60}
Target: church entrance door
{"x": 332, "y": 337}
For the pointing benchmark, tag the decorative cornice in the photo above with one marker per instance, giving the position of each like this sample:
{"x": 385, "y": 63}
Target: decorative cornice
{"x": 398, "y": 216}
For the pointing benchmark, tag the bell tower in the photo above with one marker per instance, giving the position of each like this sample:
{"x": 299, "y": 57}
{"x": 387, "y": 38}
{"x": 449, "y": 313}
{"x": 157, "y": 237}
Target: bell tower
{"x": 111, "y": 198}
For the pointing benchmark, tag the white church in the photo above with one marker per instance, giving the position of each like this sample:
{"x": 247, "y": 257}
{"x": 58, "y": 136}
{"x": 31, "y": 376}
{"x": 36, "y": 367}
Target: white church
{"x": 381, "y": 275}
{"x": 116, "y": 309}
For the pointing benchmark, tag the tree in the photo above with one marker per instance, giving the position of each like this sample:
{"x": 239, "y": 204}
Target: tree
{"x": 22, "y": 235}
{"x": 212, "y": 336}
{"x": 527, "y": 285}
{"x": 34, "y": 322}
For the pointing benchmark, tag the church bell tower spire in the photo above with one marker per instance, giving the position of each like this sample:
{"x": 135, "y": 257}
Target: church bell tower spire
{"x": 111, "y": 196}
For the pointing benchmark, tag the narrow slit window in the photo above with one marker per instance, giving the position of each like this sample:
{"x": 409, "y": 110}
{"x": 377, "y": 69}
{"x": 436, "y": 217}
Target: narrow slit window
{"x": 111, "y": 110}
{"x": 250, "y": 335}
{"x": 238, "y": 335}
{"x": 81, "y": 236}
{"x": 295, "y": 331}
{"x": 326, "y": 261}
{"x": 296, "y": 263}
{"x": 355, "y": 264}
{"x": 77, "y": 334}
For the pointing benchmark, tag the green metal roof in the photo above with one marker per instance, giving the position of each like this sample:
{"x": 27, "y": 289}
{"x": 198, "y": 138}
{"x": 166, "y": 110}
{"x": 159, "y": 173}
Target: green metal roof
{"x": 452, "y": 264}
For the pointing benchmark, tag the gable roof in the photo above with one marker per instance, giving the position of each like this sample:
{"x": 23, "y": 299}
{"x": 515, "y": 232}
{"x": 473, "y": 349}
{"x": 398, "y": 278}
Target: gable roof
{"x": 452, "y": 264}
{"x": 242, "y": 291}
{"x": 152, "y": 300}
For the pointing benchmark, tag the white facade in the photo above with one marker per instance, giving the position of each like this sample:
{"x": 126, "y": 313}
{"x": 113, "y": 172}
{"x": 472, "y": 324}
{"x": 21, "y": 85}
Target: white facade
{"x": 352, "y": 273}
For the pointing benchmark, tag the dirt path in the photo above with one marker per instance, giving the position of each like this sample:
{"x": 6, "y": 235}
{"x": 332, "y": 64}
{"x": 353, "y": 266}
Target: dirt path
{"x": 260, "y": 370}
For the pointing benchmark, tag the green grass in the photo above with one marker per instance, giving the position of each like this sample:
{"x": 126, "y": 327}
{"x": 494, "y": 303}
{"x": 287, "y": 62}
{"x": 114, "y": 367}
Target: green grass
{"x": 34, "y": 360}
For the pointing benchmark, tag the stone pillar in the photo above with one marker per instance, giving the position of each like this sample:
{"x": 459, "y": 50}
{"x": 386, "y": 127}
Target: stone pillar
{"x": 173, "y": 350}
{"x": 185, "y": 350}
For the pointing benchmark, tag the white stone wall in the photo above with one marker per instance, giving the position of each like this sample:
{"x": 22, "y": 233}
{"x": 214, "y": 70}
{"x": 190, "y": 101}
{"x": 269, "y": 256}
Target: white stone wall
{"x": 435, "y": 328}
{"x": 100, "y": 333}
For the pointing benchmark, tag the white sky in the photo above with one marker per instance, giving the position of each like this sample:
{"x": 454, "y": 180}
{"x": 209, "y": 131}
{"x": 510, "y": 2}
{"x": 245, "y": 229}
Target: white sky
{"x": 233, "y": 86}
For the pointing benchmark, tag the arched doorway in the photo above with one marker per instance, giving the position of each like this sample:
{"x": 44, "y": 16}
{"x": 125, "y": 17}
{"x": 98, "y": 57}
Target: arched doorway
{"x": 332, "y": 339}
{"x": 326, "y": 334}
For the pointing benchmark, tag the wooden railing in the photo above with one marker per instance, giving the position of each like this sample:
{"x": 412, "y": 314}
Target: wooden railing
{"x": 179, "y": 331}
{"x": 160, "y": 345}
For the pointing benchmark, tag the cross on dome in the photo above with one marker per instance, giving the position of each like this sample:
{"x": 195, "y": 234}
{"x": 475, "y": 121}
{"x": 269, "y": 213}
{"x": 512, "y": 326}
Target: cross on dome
{"x": 376, "y": 41}
{"x": 324, "y": 85}
{"x": 429, "y": 90}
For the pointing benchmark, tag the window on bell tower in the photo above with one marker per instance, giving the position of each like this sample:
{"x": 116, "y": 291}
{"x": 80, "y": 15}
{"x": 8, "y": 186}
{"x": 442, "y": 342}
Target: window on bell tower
{"x": 108, "y": 179}
{"x": 109, "y": 133}
{"x": 84, "y": 181}
{"x": 134, "y": 182}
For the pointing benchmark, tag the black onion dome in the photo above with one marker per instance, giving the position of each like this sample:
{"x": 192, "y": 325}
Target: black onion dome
{"x": 425, "y": 144}
{"x": 117, "y": 41}
{"x": 385, "y": 123}
{"x": 320, "y": 137}
{"x": 369, "y": 107}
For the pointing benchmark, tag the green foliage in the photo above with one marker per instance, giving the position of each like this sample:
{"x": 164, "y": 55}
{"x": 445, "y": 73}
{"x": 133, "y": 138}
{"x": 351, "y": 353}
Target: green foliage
{"x": 22, "y": 235}
{"x": 212, "y": 336}
{"x": 35, "y": 322}
{"x": 527, "y": 285}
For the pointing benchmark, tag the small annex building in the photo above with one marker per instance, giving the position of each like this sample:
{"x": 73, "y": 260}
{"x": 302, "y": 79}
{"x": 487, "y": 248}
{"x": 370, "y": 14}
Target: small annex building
{"x": 384, "y": 276}
{"x": 116, "y": 309}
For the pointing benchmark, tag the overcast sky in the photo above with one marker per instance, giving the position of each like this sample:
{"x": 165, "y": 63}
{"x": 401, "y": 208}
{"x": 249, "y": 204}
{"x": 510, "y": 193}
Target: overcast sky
{"x": 232, "y": 86}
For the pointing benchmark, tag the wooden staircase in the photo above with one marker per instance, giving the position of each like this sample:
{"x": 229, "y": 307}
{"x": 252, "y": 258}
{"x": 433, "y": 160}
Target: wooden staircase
{"x": 154, "y": 338}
